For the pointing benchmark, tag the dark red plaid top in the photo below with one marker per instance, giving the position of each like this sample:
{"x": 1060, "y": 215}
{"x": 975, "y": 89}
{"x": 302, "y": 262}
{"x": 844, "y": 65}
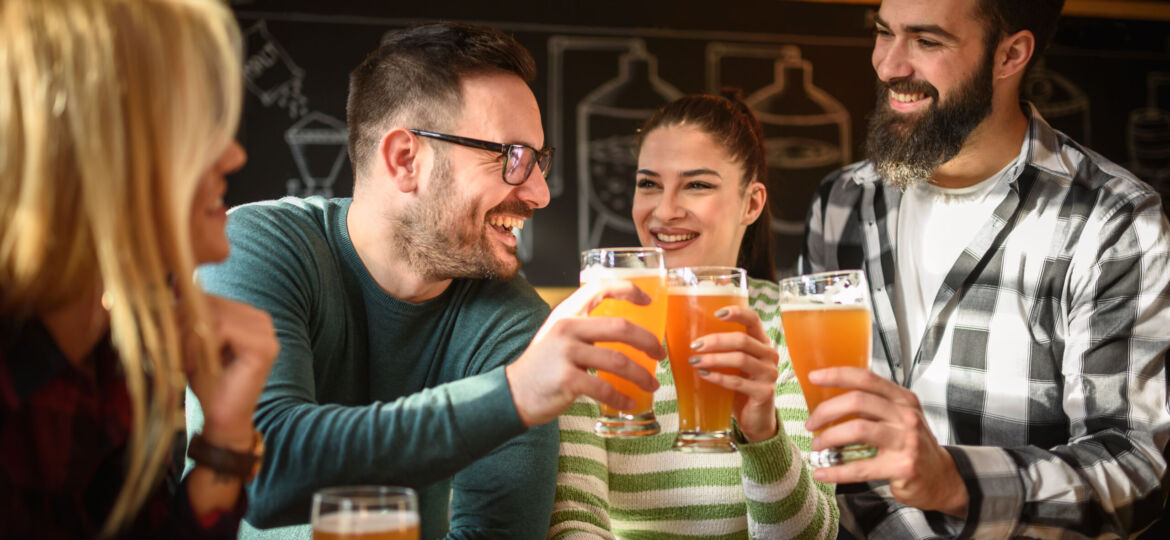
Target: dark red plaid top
{"x": 63, "y": 435}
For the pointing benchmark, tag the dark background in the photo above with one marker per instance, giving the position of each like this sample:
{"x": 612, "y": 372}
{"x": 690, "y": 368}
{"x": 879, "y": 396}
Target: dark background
{"x": 1105, "y": 82}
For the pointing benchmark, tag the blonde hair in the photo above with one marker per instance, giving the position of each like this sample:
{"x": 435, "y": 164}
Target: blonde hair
{"x": 112, "y": 111}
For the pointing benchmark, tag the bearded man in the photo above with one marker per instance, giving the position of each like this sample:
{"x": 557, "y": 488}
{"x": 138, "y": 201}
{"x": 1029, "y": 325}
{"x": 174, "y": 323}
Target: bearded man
{"x": 1021, "y": 299}
{"x": 407, "y": 349}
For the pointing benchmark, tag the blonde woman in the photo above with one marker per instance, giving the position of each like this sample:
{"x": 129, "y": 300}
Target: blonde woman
{"x": 118, "y": 119}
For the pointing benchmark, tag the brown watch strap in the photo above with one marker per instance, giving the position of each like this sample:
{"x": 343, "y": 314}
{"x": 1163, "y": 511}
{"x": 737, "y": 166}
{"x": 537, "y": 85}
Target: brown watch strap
{"x": 244, "y": 465}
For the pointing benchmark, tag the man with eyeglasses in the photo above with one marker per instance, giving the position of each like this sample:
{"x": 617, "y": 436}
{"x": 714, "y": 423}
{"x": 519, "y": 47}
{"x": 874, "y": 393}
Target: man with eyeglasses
{"x": 407, "y": 342}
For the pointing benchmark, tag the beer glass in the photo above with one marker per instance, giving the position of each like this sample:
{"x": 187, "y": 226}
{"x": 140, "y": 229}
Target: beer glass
{"x": 827, "y": 323}
{"x": 704, "y": 408}
{"x": 365, "y": 513}
{"x": 646, "y": 268}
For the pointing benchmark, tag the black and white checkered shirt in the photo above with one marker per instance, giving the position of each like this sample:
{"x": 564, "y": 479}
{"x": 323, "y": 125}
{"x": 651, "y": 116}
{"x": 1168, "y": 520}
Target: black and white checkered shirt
{"x": 1043, "y": 364}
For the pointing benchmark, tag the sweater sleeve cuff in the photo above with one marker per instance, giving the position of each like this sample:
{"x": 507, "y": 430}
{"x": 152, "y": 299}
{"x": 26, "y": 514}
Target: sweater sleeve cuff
{"x": 485, "y": 415}
{"x": 994, "y": 490}
{"x": 766, "y": 461}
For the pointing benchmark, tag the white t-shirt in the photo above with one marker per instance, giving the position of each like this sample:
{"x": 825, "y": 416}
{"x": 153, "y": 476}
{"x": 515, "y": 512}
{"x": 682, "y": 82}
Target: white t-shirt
{"x": 934, "y": 226}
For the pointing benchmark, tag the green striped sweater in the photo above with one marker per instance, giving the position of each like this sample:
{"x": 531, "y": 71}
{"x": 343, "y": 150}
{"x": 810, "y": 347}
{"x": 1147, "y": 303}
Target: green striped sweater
{"x": 640, "y": 488}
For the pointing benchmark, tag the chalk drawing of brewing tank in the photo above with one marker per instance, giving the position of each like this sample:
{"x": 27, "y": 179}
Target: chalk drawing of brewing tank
{"x": 1147, "y": 137}
{"x": 607, "y": 122}
{"x": 270, "y": 73}
{"x": 806, "y": 136}
{"x": 319, "y": 145}
{"x": 1062, "y": 104}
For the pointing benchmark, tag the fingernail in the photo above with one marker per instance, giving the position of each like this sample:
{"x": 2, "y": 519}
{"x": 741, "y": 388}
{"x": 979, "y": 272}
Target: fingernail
{"x": 698, "y": 344}
{"x": 819, "y": 475}
{"x": 722, "y": 313}
{"x": 704, "y": 372}
{"x": 695, "y": 359}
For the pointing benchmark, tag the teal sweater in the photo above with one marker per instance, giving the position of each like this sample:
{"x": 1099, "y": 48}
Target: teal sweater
{"x": 369, "y": 389}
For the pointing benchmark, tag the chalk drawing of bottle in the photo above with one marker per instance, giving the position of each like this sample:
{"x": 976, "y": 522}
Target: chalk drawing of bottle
{"x": 607, "y": 122}
{"x": 270, "y": 73}
{"x": 1062, "y": 104}
{"x": 1147, "y": 139}
{"x": 319, "y": 143}
{"x": 806, "y": 137}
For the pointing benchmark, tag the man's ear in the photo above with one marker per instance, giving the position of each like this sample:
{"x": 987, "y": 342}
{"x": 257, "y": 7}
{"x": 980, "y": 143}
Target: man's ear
{"x": 1013, "y": 53}
{"x": 757, "y": 198}
{"x": 399, "y": 157}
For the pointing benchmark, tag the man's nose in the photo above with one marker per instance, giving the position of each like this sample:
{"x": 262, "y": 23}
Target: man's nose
{"x": 534, "y": 191}
{"x": 891, "y": 61}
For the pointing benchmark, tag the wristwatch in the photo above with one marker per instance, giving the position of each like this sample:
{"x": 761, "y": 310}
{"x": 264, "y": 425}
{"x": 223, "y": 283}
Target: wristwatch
{"x": 244, "y": 465}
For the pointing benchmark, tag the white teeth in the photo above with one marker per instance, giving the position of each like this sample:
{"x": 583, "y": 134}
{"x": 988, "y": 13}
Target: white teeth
{"x": 675, "y": 237}
{"x": 506, "y": 222}
{"x": 907, "y": 98}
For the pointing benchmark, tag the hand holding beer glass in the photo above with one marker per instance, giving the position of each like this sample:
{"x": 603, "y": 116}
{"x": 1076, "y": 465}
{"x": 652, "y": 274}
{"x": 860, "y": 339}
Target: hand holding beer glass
{"x": 365, "y": 513}
{"x": 704, "y": 408}
{"x": 645, "y": 268}
{"x": 827, "y": 323}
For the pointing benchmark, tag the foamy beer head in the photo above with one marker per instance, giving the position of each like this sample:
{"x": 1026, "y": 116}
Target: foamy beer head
{"x": 344, "y": 525}
{"x": 824, "y": 290}
{"x": 365, "y": 512}
{"x": 621, "y": 263}
{"x": 707, "y": 281}
{"x": 598, "y": 274}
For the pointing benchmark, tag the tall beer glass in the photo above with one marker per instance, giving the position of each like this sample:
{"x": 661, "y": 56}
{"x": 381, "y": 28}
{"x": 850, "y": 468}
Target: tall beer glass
{"x": 827, "y": 323}
{"x": 365, "y": 513}
{"x": 646, "y": 268}
{"x": 704, "y": 408}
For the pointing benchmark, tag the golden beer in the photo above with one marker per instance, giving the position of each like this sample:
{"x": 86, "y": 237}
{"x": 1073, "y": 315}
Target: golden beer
{"x": 651, "y": 317}
{"x": 827, "y": 323}
{"x": 645, "y": 268}
{"x": 821, "y": 336}
{"x": 365, "y": 513}
{"x": 704, "y": 408}
{"x": 344, "y": 525}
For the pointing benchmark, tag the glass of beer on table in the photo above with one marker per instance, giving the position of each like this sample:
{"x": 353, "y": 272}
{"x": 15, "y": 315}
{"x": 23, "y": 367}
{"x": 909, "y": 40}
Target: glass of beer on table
{"x": 366, "y": 513}
{"x": 704, "y": 408}
{"x": 827, "y": 323}
{"x": 645, "y": 268}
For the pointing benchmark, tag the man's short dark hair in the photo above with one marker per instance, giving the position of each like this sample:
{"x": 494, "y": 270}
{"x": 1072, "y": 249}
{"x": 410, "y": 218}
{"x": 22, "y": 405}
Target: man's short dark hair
{"x": 413, "y": 79}
{"x": 1006, "y": 17}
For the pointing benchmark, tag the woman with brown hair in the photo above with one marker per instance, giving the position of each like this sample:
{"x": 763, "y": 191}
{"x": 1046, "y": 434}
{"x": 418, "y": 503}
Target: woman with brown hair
{"x": 701, "y": 196}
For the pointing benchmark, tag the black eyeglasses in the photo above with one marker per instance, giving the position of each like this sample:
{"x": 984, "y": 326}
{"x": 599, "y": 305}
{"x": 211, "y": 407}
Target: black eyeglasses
{"x": 519, "y": 159}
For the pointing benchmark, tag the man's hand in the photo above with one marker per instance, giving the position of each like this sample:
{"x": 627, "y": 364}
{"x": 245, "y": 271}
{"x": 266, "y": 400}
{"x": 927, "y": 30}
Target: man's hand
{"x": 553, "y": 371}
{"x": 921, "y": 473}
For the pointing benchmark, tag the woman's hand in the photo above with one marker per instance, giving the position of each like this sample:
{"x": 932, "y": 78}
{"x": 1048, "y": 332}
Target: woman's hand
{"x": 246, "y": 341}
{"x": 247, "y": 346}
{"x": 752, "y": 354}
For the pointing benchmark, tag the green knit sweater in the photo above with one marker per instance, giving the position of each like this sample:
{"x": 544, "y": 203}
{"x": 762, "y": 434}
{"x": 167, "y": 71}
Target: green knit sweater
{"x": 640, "y": 488}
{"x": 369, "y": 389}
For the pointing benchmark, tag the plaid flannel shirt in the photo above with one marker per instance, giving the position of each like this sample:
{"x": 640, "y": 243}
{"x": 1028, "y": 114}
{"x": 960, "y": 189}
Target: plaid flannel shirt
{"x": 63, "y": 436}
{"x": 1043, "y": 365}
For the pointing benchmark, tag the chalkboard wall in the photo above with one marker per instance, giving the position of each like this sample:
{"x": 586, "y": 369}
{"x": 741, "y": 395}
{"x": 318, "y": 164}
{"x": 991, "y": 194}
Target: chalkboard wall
{"x": 604, "y": 66}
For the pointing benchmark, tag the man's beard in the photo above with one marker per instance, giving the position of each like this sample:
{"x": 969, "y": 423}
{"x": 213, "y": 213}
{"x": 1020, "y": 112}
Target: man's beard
{"x": 907, "y": 149}
{"x": 445, "y": 239}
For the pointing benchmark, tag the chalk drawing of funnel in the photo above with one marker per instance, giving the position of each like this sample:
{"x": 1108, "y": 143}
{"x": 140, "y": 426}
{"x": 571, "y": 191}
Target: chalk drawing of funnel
{"x": 318, "y": 143}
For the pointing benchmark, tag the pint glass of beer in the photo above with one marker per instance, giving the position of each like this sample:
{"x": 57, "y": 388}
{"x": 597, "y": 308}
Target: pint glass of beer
{"x": 827, "y": 323}
{"x": 646, "y": 268}
{"x": 704, "y": 408}
{"x": 365, "y": 513}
